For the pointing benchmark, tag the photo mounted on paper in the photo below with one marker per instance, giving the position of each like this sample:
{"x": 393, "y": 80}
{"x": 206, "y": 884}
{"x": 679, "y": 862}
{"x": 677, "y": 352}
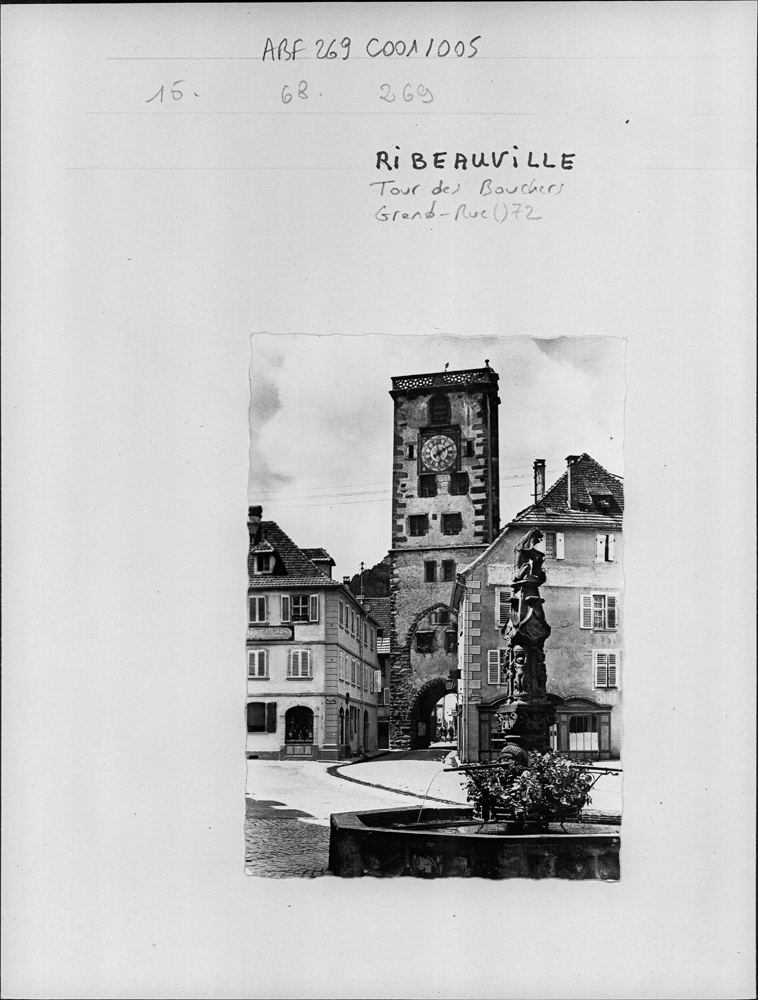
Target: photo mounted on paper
{"x": 434, "y": 652}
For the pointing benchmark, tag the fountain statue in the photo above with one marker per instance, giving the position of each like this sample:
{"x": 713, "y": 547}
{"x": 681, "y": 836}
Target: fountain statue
{"x": 527, "y": 712}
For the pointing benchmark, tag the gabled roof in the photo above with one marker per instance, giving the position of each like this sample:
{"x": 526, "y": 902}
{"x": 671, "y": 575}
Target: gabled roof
{"x": 592, "y": 487}
{"x": 597, "y": 499}
{"x": 292, "y": 567}
{"x": 379, "y": 609}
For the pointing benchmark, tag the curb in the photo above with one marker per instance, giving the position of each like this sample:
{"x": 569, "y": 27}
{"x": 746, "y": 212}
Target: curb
{"x": 334, "y": 771}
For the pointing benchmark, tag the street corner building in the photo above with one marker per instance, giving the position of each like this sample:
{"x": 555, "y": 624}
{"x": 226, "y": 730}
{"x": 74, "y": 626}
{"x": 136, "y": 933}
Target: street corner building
{"x": 580, "y": 518}
{"x": 313, "y": 667}
{"x": 445, "y": 512}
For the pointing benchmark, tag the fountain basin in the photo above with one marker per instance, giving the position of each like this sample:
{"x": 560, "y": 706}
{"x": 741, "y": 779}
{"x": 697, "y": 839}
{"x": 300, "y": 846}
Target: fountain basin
{"x": 449, "y": 843}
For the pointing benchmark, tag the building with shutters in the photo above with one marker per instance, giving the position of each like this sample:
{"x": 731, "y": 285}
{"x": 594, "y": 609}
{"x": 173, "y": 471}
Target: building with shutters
{"x": 313, "y": 681}
{"x": 581, "y": 519}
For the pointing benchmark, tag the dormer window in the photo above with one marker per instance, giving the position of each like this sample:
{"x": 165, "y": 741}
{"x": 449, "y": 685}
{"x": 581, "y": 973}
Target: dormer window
{"x": 264, "y": 564}
{"x": 439, "y": 410}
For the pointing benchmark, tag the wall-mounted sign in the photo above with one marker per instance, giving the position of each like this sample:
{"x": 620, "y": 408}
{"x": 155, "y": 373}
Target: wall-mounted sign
{"x": 271, "y": 633}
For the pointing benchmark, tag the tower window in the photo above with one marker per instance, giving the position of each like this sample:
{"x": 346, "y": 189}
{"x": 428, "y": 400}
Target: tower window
{"x": 410, "y": 451}
{"x": 439, "y": 410}
{"x": 418, "y": 524}
{"x": 430, "y": 571}
{"x": 427, "y": 486}
{"x": 469, "y": 449}
{"x": 425, "y": 642}
{"x": 451, "y": 642}
{"x": 451, "y": 524}
{"x": 459, "y": 483}
{"x": 448, "y": 570}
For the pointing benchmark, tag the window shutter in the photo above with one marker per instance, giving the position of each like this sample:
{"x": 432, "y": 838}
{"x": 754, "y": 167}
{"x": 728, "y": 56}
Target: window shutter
{"x": 600, "y": 549}
{"x": 305, "y": 663}
{"x": 612, "y": 670}
{"x": 377, "y": 680}
{"x": 601, "y": 670}
{"x": 585, "y": 611}
{"x": 292, "y": 664}
{"x": 342, "y": 612}
{"x": 313, "y": 608}
{"x": 251, "y": 663}
{"x": 559, "y": 551}
{"x": 612, "y": 610}
{"x": 271, "y": 717}
{"x": 503, "y": 605}
{"x": 285, "y": 608}
{"x": 493, "y": 666}
{"x": 611, "y": 548}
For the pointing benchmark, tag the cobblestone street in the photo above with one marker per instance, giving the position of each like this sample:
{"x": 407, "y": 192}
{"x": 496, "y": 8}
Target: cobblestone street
{"x": 288, "y": 804}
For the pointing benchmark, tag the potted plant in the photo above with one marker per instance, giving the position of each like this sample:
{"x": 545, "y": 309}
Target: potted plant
{"x": 530, "y": 791}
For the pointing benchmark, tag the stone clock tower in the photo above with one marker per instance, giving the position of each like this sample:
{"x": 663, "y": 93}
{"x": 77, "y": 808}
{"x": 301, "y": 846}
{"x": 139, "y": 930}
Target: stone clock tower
{"x": 445, "y": 511}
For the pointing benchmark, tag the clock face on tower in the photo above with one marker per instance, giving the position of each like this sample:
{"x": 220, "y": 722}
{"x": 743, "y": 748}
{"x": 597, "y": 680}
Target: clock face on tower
{"x": 438, "y": 453}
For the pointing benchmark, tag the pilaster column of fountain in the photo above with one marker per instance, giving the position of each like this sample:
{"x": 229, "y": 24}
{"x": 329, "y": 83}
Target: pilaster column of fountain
{"x": 527, "y": 711}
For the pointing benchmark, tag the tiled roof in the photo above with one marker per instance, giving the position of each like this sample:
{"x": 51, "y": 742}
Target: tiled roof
{"x": 591, "y": 486}
{"x": 382, "y": 646}
{"x": 318, "y": 555}
{"x": 379, "y": 609}
{"x": 292, "y": 567}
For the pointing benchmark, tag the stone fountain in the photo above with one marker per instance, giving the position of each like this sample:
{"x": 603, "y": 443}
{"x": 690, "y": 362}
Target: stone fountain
{"x": 451, "y": 842}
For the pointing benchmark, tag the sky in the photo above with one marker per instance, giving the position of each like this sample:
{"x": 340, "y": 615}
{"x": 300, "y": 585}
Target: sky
{"x": 321, "y": 424}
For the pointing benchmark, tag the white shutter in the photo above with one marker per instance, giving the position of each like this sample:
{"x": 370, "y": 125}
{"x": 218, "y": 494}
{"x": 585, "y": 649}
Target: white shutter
{"x": 600, "y": 549}
{"x": 342, "y": 612}
{"x": 285, "y": 608}
{"x": 585, "y": 611}
{"x": 493, "y": 666}
{"x": 611, "y": 611}
{"x": 601, "y": 670}
{"x": 378, "y": 680}
{"x": 612, "y": 670}
{"x": 251, "y": 663}
{"x": 559, "y": 550}
{"x": 611, "y": 548}
{"x": 305, "y": 663}
{"x": 313, "y": 608}
{"x": 503, "y": 609}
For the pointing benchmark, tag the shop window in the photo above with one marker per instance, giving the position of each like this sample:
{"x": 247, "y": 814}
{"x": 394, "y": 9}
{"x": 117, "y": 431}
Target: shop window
{"x": 261, "y": 717}
{"x": 427, "y": 486}
{"x": 452, "y": 524}
{"x": 298, "y": 725}
{"x": 583, "y": 734}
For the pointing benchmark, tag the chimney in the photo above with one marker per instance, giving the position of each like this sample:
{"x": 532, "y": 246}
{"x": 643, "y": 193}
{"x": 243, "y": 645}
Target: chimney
{"x": 539, "y": 479}
{"x": 571, "y": 460}
{"x": 254, "y": 517}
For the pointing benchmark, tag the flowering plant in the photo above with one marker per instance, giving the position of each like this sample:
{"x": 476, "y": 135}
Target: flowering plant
{"x": 548, "y": 787}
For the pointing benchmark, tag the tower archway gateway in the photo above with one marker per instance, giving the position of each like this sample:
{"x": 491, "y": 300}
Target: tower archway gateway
{"x": 422, "y": 712}
{"x": 445, "y": 511}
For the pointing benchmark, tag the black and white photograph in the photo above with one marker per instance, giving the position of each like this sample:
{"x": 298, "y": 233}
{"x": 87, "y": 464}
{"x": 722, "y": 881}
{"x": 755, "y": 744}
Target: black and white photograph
{"x": 435, "y": 689}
